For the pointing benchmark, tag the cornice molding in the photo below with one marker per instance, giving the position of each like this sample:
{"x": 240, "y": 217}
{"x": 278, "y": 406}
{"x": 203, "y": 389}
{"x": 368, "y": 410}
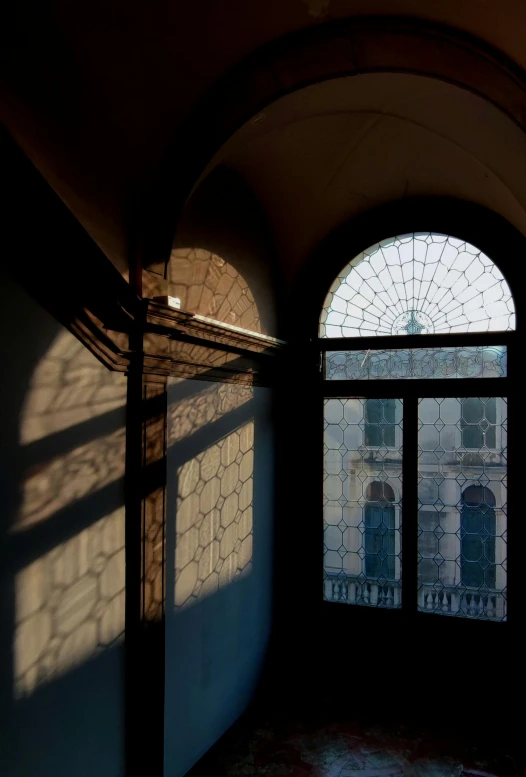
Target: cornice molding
{"x": 185, "y": 345}
{"x": 163, "y": 318}
{"x": 101, "y": 343}
{"x": 179, "y": 344}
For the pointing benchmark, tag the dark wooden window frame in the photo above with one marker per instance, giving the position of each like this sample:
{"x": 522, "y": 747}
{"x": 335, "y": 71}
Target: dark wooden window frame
{"x": 409, "y": 391}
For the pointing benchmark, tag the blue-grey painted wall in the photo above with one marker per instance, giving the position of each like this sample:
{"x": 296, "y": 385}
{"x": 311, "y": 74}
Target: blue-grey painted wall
{"x": 217, "y": 637}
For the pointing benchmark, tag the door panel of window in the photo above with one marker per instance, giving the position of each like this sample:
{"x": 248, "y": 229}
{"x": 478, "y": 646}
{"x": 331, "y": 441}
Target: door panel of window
{"x": 460, "y": 511}
{"x": 362, "y": 501}
{"x": 462, "y": 497}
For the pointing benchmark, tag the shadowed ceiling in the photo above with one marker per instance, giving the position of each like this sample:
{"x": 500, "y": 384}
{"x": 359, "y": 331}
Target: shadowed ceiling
{"x": 319, "y": 156}
{"x": 95, "y": 93}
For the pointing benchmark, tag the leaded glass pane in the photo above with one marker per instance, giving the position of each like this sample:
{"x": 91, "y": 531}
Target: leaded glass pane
{"x": 417, "y": 363}
{"x": 462, "y": 518}
{"x": 380, "y": 422}
{"x": 379, "y": 541}
{"x": 478, "y": 422}
{"x": 418, "y": 283}
{"x": 362, "y": 501}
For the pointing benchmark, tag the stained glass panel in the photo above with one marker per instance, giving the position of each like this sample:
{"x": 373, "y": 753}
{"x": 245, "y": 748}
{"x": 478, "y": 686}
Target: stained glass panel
{"x": 418, "y": 283}
{"x": 362, "y": 501}
{"x": 462, "y": 507}
{"x": 417, "y": 363}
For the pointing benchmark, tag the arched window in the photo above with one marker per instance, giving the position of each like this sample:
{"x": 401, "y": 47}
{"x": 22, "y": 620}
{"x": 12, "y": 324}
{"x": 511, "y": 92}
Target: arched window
{"x": 421, "y": 283}
{"x": 413, "y": 331}
{"x": 478, "y": 527}
{"x": 380, "y": 532}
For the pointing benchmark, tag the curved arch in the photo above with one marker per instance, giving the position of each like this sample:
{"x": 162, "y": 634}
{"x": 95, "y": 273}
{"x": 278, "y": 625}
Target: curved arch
{"x": 222, "y": 261}
{"x": 379, "y": 489}
{"x": 208, "y": 285}
{"x": 475, "y": 495}
{"x": 418, "y": 283}
{"x": 346, "y": 47}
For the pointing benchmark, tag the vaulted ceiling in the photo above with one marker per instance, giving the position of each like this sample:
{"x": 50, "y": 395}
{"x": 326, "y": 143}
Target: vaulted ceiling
{"x": 333, "y": 150}
{"x": 95, "y": 93}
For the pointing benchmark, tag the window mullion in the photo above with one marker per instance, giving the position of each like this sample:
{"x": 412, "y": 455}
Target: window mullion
{"x": 409, "y": 504}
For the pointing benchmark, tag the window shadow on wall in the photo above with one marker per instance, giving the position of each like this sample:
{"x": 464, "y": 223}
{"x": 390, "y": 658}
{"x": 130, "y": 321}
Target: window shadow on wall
{"x": 223, "y": 260}
{"x": 208, "y": 285}
{"x": 62, "y": 550}
{"x": 219, "y": 539}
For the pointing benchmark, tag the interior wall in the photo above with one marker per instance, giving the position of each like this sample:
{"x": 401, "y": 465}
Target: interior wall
{"x": 219, "y": 560}
{"x": 62, "y": 549}
{"x": 223, "y": 262}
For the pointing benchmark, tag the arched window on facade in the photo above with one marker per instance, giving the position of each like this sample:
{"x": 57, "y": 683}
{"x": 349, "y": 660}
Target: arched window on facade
{"x": 415, "y": 335}
{"x": 477, "y": 527}
{"x": 379, "y": 538}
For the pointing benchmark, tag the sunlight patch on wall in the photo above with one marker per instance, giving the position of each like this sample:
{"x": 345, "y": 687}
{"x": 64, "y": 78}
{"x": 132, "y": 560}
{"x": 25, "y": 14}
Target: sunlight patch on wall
{"x": 193, "y": 413}
{"x": 53, "y": 485}
{"x": 69, "y": 604}
{"x": 72, "y": 431}
{"x": 68, "y": 386}
{"x": 209, "y": 285}
{"x": 69, "y": 601}
{"x": 214, "y": 517}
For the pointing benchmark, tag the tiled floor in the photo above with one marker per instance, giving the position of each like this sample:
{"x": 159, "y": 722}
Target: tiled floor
{"x": 355, "y": 749}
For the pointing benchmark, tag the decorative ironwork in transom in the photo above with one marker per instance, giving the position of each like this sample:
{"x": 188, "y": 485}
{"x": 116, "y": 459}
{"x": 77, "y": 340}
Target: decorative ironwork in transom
{"x": 419, "y": 283}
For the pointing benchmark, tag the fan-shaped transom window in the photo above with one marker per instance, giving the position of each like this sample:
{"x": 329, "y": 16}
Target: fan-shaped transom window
{"x": 419, "y": 283}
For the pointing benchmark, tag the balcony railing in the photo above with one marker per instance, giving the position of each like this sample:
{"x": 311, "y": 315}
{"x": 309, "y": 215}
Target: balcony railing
{"x": 449, "y": 600}
{"x": 358, "y": 591}
{"x": 466, "y": 602}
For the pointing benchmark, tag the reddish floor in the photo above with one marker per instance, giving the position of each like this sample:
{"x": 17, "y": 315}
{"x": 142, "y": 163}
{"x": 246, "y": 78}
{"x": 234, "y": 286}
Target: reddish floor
{"x": 355, "y": 750}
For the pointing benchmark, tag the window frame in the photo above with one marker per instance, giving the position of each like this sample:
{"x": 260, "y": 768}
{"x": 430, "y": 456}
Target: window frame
{"x": 409, "y": 391}
{"x": 501, "y": 242}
